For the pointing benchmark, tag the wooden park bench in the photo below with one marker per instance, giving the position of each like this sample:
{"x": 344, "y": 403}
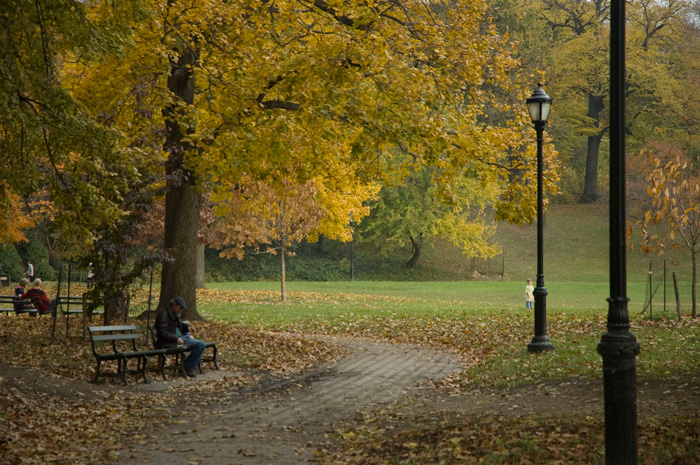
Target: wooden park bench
{"x": 13, "y": 304}
{"x": 179, "y": 351}
{"x": 118, "y": 343}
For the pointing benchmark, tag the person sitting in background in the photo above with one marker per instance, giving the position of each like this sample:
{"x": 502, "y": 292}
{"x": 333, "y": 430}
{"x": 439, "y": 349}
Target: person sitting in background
{"x": 19, "y": 289}
{"x": 172, "y": 331}
{"x": 38, "y": 297}
{"x": 20, "y": 306}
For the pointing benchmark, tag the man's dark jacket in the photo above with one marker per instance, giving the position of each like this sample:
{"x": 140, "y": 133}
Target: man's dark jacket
{"x": 166, "y": 322}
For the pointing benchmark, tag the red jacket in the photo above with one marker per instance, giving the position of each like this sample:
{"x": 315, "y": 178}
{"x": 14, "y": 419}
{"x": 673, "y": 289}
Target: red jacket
{"x": 38, "y": 298}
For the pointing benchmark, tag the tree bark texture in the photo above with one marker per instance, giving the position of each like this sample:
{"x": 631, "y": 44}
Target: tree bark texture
{"x": 201, "y": 268}
{"x": 283, "y": 279}
{"x": 596, "y": 105}
{"x": 182, "y": 201}
{"x": 416, "y": 244}
{"x": 678, "y": 297}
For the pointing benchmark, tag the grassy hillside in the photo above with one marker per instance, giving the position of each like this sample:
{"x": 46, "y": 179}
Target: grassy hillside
{"x": 576, "y": 248}
{"x": 575, "y": 245}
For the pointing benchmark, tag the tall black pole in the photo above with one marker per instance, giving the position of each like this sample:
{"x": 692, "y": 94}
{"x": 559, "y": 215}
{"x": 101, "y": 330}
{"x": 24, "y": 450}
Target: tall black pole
{"x": 618, "y": 347}
{"x": 352, "y": 250}
{"x": 540, "y": 342}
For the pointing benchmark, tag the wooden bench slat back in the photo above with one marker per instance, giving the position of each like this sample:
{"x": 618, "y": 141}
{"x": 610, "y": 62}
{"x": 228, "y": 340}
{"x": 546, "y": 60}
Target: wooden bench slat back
{"x": 9, "y": 299}
{"x": 114, "y": 337}
{"x": 94, "y": 329}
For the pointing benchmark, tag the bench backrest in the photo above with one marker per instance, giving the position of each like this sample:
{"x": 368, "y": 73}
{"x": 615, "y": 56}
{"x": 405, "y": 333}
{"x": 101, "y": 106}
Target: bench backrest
{"x": 76, "y": 302}
{"x": 16, "y": 302}
{"x": 113, "y": 334}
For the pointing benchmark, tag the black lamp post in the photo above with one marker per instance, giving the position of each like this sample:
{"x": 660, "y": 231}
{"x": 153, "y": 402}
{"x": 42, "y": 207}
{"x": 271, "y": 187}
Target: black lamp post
{"x": 539, "y": 105}
{"x": 352, "y": 250}
{"x": 618, "y": 347}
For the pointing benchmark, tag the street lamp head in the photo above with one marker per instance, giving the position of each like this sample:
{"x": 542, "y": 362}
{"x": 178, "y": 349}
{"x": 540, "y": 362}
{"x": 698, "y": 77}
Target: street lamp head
{"x": 539, "y": 105}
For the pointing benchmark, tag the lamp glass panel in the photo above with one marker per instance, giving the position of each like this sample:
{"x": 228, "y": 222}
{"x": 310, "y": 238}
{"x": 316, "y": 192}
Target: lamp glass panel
{"x": 546, "y": 106}
{"x": 534, "y": 110}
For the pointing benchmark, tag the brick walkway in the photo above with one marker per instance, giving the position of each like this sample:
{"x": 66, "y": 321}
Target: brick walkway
{"x": 286, "y": 425}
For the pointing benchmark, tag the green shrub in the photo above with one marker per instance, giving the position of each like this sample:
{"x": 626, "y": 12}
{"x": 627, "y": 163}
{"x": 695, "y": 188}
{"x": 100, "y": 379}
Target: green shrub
{"x": 11, "y": 262}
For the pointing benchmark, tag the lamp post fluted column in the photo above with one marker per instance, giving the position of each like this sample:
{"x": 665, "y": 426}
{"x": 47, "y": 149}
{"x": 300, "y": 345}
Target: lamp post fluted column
{"x": 539, "y": 105}
{"x": 618, "y": 347}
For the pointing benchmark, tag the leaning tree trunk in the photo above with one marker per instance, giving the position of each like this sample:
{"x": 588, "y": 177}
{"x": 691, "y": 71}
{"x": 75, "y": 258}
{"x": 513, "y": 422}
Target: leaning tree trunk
{"x": 416, "y": 244}
{"x": 678, "y": 297}
{"x": 596, "y": 105}
{"x": 182, "y": 201}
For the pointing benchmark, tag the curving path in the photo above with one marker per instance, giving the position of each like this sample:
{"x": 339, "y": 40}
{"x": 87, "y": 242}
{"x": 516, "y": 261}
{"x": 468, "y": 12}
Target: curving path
{"x": 285, "y": 425}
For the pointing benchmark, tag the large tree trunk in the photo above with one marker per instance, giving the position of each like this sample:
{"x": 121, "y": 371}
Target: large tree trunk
{"x": 201, "y": 268}
{"x": 596, "y": 105}
{"x": 416, "y": 244}
{"x": 182, "y": 201}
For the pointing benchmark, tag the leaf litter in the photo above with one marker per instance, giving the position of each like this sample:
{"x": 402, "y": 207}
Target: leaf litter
{"x": 86, "y": 424}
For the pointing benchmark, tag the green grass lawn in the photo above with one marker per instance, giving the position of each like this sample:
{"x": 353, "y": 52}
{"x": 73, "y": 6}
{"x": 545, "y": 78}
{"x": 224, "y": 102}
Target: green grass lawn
{"x": 465, "y": 295}
{"x": 485, "y": 320}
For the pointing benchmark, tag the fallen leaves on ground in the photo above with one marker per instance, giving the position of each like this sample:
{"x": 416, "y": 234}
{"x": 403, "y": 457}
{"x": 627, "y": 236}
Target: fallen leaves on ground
{"x": 51, "y": 414}
{"x": 43, "y": 422}
{"x": 448, "y": 438}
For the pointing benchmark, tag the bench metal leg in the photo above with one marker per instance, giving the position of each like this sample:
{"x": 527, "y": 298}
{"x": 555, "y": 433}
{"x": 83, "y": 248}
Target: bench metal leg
{"x": 97, "y": 371}
{"x": 216, "y": 365}
{"x": 161, "y": 366}
{"x": 180, "y": 364}
{"x": 122, "y": 369}
{"x": 142, "y": 362}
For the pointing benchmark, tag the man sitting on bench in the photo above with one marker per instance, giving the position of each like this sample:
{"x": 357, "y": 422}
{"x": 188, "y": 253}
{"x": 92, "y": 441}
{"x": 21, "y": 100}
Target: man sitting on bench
{"x": 38, "y": 297}
{"x": 172, "y": 331}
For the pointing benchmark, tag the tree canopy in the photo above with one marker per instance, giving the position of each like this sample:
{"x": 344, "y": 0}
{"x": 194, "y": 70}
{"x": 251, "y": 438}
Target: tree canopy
{"x": 196, "y": 97}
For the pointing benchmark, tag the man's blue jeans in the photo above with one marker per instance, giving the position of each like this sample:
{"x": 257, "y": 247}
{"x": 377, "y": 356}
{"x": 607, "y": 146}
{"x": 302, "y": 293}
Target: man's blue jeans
{"x": 192, "y": 360}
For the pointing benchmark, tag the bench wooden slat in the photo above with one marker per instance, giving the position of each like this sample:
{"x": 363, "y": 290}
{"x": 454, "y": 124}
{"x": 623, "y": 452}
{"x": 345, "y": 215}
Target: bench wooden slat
{"x": 114, "y": 337}
{"x": 112, "y": 328}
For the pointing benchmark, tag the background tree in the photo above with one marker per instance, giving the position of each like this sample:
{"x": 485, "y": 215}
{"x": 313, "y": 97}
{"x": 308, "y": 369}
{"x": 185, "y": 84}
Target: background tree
{"x": 269, "y": 218}
{"x": 580, "y": 32}
{"x": 219, "y": 90}
{"x": 577, "y": 33}
{"x": 53, "y": 150}
{"x": 409, "y": 213}
{"x": 675, "y": 192}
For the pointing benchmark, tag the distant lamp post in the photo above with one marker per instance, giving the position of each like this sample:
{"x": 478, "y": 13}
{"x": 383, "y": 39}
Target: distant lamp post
{"x": 352, "y": 249}
{"x": 539, "y": 105}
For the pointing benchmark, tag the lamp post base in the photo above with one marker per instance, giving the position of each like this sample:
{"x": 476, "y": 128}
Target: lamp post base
{"x": 539, "y": 344}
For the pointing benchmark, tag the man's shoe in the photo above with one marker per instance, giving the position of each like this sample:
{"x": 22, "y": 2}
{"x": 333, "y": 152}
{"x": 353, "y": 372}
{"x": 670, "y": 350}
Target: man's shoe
{"x": 191, "y": 373}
